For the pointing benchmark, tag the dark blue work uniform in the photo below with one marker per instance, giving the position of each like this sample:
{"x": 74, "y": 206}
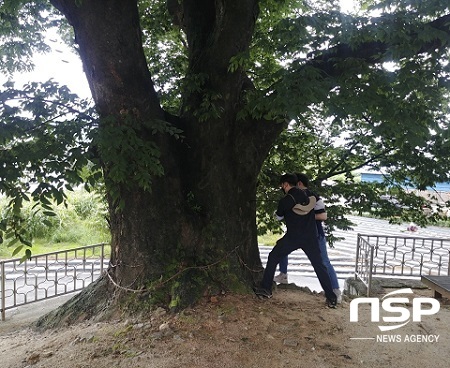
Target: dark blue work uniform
{"x": 301, "y": 233}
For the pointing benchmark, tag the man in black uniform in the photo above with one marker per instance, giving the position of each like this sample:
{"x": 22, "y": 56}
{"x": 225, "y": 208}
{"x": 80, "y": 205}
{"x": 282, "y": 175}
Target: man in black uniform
{"x": 301, "y": 233}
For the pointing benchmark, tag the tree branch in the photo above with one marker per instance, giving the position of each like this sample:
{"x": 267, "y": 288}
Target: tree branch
{"x": 376, "y": 51}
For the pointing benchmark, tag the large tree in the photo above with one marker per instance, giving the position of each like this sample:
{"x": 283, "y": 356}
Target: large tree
{"x": 190, "y": 96}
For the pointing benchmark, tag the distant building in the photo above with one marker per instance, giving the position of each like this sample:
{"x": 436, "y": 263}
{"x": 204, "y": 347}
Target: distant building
{"x": 378, "y": 178}
{"x": 439, "y": 194}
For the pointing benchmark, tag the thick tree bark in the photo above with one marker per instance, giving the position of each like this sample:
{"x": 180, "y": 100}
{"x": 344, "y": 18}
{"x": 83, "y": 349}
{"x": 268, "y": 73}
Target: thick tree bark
{"x": 196, "y": 229}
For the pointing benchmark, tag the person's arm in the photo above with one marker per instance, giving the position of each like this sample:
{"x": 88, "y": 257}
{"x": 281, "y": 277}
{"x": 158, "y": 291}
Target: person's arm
{"x": 319, "y": 210}
{"x": 279, "y": 218}
{"x": 285, "y": 204}
{"x": 321, "y": 216}
{"x": 279, "y": 213}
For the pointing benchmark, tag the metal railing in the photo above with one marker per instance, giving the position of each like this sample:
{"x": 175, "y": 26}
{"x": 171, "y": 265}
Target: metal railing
{"x": 408, "y": 257}
{"x": 49, "y": 275}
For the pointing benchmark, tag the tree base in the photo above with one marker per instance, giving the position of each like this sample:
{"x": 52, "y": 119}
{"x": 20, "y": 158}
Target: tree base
{"x": 102, "y": 300}
{"x": 93, "y": 302}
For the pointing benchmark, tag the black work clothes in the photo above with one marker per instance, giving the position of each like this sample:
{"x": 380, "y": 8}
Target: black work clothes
{"x": 299, "y": 227}
{"x": 301, "y": 233}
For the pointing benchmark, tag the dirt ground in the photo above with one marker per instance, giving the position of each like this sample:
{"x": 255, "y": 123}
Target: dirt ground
{"x": 293, "y": 329}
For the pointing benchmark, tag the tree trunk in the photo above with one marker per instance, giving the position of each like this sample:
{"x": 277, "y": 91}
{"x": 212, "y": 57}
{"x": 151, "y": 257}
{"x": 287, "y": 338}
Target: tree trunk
{"x": 195, "y": 230}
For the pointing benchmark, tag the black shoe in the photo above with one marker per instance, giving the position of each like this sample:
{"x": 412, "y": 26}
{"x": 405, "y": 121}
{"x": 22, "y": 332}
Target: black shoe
{"x": 331, "y": 304}
{"x": 262, "y": 293}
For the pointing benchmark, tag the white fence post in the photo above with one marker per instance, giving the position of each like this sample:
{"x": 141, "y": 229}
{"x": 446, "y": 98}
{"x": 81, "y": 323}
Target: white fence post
{"x": 2, "y": 289}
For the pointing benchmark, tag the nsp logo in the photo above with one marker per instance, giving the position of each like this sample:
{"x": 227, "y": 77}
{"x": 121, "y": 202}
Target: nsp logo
{"x": 391, "y": 305}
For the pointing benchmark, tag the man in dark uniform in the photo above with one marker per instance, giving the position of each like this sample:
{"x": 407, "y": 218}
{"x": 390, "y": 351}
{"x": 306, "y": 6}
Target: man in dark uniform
{"x": 301, "y": 233}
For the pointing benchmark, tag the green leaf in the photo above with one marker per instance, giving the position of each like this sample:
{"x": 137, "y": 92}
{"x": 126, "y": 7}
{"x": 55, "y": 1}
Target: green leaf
{"x": 49, "y": 213}
{"x": 17, "y": 250}
{"x": 26, "y": 257}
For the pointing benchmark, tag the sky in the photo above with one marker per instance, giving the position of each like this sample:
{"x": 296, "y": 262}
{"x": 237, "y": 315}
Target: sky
{"x": 62, "y": 64}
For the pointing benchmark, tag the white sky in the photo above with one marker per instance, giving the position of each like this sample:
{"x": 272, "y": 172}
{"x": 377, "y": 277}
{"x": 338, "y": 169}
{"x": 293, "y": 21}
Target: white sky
{"x": 63, "y": 65}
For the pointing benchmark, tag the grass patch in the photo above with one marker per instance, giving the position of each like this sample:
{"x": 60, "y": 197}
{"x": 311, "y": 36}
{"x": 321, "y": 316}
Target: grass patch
{"x": 78, "y": 222}
{"x": 42, "y": 246}
{"x": 268, "y": 239}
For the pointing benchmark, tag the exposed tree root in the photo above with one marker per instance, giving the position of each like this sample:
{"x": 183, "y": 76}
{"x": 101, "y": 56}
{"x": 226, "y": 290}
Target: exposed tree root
{"x": 93, "y": 302}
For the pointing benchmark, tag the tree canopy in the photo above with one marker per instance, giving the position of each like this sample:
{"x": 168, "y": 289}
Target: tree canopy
{"x": 191, "y": 99}
{"x": 394, "y": 120}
